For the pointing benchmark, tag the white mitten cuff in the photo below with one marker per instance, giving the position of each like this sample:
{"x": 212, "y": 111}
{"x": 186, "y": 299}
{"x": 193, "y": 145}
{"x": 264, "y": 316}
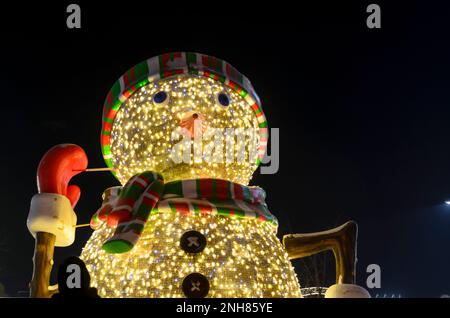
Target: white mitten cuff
{"x": 52, "y": 213}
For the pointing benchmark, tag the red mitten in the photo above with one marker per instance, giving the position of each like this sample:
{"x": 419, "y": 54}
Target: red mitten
{"x": 57, "y": 167}
{"x": 51, "y": 210}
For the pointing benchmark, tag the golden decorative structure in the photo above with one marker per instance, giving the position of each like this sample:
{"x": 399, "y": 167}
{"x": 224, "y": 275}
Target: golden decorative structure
{"x": 341, "y": 240}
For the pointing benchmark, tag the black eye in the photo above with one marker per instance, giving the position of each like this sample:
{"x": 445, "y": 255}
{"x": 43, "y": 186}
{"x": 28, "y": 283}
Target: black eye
{"x": 160, "y": 97}
{"x": 223, "y": 99}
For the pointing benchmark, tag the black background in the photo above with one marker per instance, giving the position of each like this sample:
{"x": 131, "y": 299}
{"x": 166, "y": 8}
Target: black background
{"x": 363, "y": 116}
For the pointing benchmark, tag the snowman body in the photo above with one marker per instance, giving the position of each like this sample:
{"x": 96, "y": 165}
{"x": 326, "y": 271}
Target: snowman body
{"x": 192, "y": 120}
{"x": 240, "y": 259}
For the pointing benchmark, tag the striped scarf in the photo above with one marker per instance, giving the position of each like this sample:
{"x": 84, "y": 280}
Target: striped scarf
{"x": 128, "y": 208}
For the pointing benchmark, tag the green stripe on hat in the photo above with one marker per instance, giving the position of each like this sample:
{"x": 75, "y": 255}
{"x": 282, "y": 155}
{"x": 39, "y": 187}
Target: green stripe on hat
{"x": 115, "y": 90}
{"x": 196, "y": 208}
{"x": 191, "y": 58}
{"x": 116, "y": 105}
{"x": 106, "y": 149}
{"x": 141, "y": 70}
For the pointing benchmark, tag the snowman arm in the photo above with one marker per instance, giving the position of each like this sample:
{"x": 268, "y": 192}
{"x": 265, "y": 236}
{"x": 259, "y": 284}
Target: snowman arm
{"x": 341, "y": 240}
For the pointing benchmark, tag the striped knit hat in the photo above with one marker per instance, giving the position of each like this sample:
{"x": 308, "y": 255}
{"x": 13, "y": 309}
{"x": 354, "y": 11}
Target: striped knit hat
{"x": 172, "y": 64}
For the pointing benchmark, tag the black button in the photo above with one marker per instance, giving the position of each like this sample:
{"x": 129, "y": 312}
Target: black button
{"x": 195, "y": 285}
{"x": 193, "y": 242}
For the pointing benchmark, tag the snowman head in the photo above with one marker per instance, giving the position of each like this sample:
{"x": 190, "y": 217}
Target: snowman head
{"x": 185, "y": 116}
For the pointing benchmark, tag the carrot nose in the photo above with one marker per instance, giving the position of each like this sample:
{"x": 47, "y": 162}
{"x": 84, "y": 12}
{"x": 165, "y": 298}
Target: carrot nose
{"x": 191, "y": 120}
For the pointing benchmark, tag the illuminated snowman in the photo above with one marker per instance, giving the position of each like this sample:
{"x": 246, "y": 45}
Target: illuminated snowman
{"x": 183, "y": 133}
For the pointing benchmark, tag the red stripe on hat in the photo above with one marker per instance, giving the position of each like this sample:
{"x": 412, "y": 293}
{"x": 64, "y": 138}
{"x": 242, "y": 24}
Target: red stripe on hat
{"x": 109, "y": 98}
{"x": 232, "y": 84}
{"x": 204, "y": 209}
{"x": 128, "y": 92}
{"x": 213, "y": 62}
{"x": 107, "y": 126}
{"x": 182, "y": 208}
{"x": 205, "y": 60}
{"x": 228, "y": 69}
{"x": 105, "y": 139}
{"x": 165, "y": 58}
{"x": 112, "y": 113}
{"x": 167, "y": 73}
{"x": 133, "y": 74}
{"x": 126, "y": 80}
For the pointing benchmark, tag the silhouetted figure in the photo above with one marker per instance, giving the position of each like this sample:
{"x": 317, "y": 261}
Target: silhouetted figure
{"x": 74, "y": 280}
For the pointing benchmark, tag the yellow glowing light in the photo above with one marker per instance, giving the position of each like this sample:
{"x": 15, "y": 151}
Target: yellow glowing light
{"x": 242, "y": 258}
{"x": 141, "y": 136}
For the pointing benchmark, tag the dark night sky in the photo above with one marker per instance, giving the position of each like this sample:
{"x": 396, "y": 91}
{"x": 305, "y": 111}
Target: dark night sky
{"x": 363, "y": 117}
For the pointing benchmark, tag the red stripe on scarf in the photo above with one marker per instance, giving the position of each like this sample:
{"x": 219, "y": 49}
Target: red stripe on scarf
{"x": 125, "y": 201}
{"x": 139, "y": 184}
{"x": 104, "y": 212}
{"x": 222, "y": 189}
{"x": 143, "y": 177}
{"x": 150, "y": 191}
{"x": 205, "y": 188}
{"x": 149, "y": 201}
{"x": 238, "y": 193}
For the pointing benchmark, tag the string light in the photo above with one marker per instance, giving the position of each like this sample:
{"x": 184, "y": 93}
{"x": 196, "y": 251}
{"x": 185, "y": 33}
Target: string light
{"x": 242, "y": 258}
{"x": 141, "y": 136}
